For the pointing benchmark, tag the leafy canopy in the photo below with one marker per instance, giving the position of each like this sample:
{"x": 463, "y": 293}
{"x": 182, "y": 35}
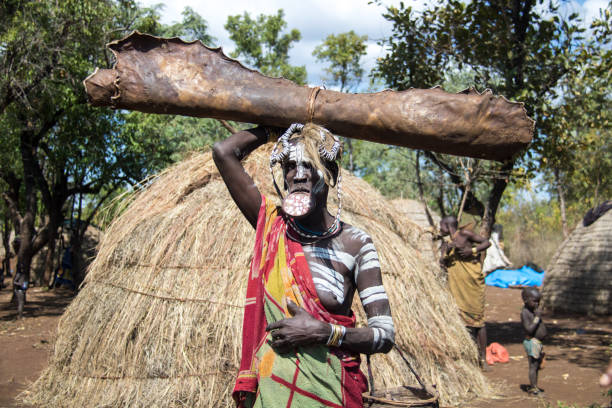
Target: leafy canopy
{"x": 343, "y": 52}
{"x": 260, "y": 43}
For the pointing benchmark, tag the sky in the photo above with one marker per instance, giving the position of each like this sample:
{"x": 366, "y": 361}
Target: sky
{"x": 316, "y": 19}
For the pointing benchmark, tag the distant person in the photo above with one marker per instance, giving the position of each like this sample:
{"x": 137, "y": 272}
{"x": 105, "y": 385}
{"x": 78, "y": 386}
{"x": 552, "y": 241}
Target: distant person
{"x": 495, "y": 257}
{"x": 64, "y": 275}
{"x": 20, "y": 283}
{"x": 535, "y": 331}
{"x": 461, "y": 258}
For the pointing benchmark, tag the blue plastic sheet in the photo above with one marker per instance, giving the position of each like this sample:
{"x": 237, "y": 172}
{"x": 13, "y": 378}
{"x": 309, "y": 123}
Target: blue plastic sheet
{"x": 525, "y": 276}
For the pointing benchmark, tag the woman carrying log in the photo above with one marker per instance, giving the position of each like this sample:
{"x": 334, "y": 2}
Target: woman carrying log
{"x": 300, "y": 346}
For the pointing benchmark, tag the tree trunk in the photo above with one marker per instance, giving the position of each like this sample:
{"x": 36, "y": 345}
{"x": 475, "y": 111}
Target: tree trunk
{"x": 417, "y": 167}
{"x": 495, "y": 195}
{"x": 462, "y": 205}
{"x": 31, "y": 242}
{"x": 49, "y": 263}
{"x": 561, "y": 195}
{"x": 26, "y": 228}
{"x": 6, "y": 243}
{"x": 76, "y": 244}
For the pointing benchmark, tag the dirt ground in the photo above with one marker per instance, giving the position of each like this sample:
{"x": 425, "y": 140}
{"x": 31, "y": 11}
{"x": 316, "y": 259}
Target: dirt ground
{"x": 26, "y": 344}
{"x": 578, "y": 349}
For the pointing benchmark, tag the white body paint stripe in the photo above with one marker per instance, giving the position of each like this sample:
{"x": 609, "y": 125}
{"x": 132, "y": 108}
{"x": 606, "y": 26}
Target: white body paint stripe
{"x": 374, "y": 263}
{"x": 338, "y": 256}
{"x": 384, "y": 331}
{"x": 370, "y": 256}
{"x": 376, "y": 339}
{"x": 369, "y": 265}
{"x": 366, "y": 259}
{"x": 328, "y": 287}
{"x": 329, "y": 274}
{"x": 380, "y": 320}
{"x": 356, "y": 233}
{"x": 367, "y": 248}
{"x": 371, "y": 291}
{"x": 374, "y": 298}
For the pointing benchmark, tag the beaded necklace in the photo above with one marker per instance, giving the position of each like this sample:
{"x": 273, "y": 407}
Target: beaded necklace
{"x": 306, "y": 233}
{"x": 295, "y": 233}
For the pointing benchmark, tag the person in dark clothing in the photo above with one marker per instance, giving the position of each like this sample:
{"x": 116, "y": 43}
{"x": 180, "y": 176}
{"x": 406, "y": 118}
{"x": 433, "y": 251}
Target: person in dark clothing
{"x": 63, "y": 274}
{"x": 20, "y": 283}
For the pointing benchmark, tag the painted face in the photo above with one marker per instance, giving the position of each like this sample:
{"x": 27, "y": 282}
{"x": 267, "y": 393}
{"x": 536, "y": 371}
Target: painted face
{"x": 303, "y": 182}
{"x": 300, "y": 174}
{"x": 302, "y": 161}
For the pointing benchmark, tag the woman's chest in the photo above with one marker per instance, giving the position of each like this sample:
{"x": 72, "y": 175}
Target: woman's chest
{"x": 332, "y": 269}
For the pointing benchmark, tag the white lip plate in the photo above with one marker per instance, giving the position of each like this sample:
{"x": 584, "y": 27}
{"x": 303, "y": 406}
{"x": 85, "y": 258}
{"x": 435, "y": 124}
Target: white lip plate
{"x": 296, "y": 204}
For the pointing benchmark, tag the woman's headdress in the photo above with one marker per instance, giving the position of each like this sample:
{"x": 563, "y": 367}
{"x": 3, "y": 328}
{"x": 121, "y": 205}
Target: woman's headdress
{"x": 324, "y": 149}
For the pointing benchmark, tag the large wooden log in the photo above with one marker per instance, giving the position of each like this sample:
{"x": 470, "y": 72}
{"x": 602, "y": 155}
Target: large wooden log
{"x": 170, "y": 76}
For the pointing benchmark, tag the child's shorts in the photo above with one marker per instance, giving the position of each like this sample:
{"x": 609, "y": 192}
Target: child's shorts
{"x": 533, "y": 347}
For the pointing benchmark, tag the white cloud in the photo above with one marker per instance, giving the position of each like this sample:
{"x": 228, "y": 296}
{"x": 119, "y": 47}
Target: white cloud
{"x": 587, "y": 10}
{"x": 590, "y": 9}
{"x": 316, "y": 19}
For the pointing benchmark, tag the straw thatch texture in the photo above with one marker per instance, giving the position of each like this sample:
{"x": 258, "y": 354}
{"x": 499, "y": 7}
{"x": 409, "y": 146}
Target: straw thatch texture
{"x": 414, "y": 213}
{"x": 158, "y": 323}
{"x": 579, "y": 277}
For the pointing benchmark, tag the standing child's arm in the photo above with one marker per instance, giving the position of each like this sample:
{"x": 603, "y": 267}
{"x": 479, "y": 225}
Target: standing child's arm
{"x": 530, "y": 324}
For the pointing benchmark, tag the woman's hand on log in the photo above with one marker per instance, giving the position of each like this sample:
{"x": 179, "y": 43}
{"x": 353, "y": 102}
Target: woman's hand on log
{"x": 299, "y": 330}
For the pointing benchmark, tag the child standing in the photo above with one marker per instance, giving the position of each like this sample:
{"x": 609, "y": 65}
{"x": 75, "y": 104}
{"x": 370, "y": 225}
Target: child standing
{"x": 535, "y": 331}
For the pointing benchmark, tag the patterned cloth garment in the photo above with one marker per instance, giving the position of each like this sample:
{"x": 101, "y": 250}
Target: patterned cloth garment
{"x": 283, "y": 270}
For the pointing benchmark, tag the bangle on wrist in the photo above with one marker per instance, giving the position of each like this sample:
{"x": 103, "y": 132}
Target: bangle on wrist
{"x": 474, "y": 251}
{"x": 336, "y": 336}
{"x": 342, "y": 335}
{"x": 331, "y": 334}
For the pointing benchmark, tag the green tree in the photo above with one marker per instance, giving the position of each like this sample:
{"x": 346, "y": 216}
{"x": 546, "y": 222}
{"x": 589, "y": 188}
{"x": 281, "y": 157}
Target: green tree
{"x": 260, "y": 43}
{"x": 576, "y": 158}
{"x": 519, "y": 49}
{"x": 193, "y": 27}
{"x": 55, "y": 145}
{"x": 343, "y": 52}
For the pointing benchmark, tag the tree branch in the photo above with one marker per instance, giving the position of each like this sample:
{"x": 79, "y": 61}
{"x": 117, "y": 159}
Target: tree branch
{"x": 227, "y": 126}
{"x": 13, "y": 209}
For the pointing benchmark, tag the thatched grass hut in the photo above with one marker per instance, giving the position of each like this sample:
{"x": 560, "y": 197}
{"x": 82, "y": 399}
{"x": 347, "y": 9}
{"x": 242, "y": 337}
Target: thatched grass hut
{"x": 158, "y": 322}
{"x": 578, "y": 280}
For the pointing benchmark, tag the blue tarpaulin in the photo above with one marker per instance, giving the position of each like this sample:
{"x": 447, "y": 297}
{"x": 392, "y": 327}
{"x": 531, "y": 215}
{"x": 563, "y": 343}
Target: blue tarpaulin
{"x": 525, "y": 276}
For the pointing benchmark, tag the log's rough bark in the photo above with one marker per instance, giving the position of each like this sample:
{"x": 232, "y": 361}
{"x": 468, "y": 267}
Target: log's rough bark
{"x": 170, "y": 76}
